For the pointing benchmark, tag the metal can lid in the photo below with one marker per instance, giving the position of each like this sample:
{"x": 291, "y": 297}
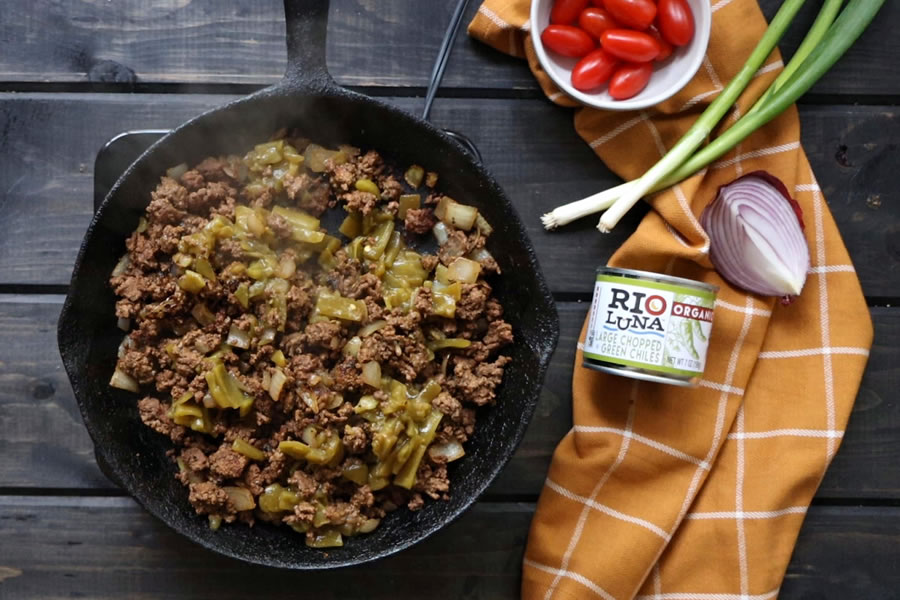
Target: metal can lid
{"x": 650, "y": 276}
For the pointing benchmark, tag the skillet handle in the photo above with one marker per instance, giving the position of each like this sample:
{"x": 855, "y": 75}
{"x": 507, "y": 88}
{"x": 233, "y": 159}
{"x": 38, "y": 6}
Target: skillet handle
{"x": 307, "y": 22}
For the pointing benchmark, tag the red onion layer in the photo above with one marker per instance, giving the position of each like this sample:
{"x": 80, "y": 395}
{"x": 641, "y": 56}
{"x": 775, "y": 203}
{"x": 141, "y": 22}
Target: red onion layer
{"x": 756, "y": 236}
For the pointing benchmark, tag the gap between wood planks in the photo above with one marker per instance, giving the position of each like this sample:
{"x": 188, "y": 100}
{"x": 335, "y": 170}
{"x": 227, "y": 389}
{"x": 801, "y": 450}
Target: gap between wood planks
{"x": 522, "y": 93}
{"x": 38, "y": 292}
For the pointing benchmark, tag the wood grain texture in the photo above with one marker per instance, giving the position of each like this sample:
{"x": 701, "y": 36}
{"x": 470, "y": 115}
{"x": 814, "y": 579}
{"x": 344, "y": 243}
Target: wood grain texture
{"x": 110, "y": 548}
{"x": 370, "y": 43}
{"x": 45, "y": 445}
{"x": 529, "y": 145}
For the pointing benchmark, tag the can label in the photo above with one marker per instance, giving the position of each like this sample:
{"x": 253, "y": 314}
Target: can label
{"x": 652, "y": 325}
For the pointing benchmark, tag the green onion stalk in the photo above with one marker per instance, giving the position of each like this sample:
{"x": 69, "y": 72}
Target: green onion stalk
{"x": 826, "y": 41}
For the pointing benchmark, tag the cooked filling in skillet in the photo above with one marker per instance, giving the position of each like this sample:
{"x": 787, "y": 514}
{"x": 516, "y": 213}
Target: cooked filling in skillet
{"x": 303, "y": 378}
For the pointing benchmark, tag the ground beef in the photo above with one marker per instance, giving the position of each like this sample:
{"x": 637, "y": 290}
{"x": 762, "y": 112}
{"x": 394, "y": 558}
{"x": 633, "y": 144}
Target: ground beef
{"x": 155, "y": 415}
{"x": 390, "y": 188}
{"x": 304, "y": 483}
{"x": 176, "y": 346}
{"x": 472, "y": 303}
{"x": 194, "y": 459}
{"x": 432, "y": 480}
{"x": 227, "y": 463}
{"x": 361, "y": 202}
{"x": 476, "y": 382}
{"x": 210, "y": 499}
{"x": 419, "y": 220}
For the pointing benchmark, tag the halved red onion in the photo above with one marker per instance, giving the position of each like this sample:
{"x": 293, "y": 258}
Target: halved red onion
{"x": 756, "y": 239}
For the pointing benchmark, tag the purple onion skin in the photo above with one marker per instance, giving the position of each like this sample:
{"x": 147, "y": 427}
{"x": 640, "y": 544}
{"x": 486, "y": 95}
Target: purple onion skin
{"x": 726, "y": 235}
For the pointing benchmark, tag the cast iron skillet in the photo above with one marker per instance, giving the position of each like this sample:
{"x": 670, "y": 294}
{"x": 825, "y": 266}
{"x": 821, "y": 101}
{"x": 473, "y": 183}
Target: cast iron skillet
{"x": 306, "y": 98}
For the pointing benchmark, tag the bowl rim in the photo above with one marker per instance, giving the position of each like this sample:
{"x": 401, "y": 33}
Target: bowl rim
{"x": 632, "y": 103}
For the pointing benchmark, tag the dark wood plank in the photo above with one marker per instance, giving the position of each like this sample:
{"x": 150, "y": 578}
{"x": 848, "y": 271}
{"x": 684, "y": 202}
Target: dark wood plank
{"x": 45, "y": 445}
{"x": 528, "y": 144}
{"x": 370, "y": 43}
{"x": 110, "y": 548}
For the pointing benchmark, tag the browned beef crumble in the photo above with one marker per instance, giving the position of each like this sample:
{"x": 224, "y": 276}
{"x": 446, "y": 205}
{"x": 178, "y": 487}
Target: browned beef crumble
{"x": 178, "y": 336}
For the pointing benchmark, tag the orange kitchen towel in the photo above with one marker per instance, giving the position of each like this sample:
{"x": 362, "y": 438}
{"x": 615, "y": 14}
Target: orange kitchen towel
{"x": 676, "y": 493}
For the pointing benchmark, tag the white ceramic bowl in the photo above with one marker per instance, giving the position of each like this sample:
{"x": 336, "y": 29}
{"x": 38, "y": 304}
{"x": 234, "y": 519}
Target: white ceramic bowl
{"x": 668, "y": 77}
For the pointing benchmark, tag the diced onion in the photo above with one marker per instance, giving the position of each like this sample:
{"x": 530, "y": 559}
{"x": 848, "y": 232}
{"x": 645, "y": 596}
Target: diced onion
{"x": 371, "y": 374}
{"x": 441, "y": 233}
{"x": 121, "y": 266}
{"x": 277, "y": 384}
{"x": 453, "y": 213}
{"x": 286, "y": 267}
{"x": 483, "y": 226}
{"x": 177, "y": 171}
{"x": 369, "y": 525}
{"x": 127, "y": 343}
{"x": 756, "y": 236}
{"x": 123, "y": 323}
{"x": 123, "y": 381}
{"x": 480, "y": 255}
{"x": 372, "y": 328}
{"x": 308, "y": 435}
{"x": 336, "y": 400}
{"x": 202, "y": 313}
{"x": 267, "y": 336}
{"x": 238, "y": 338}
{"x": 463, "y": 270}
{"x": 446, "y": 451}
{"x": 209, "y": 401}
{"x": 240, "y": 497}
{"x": 351, "y": 348}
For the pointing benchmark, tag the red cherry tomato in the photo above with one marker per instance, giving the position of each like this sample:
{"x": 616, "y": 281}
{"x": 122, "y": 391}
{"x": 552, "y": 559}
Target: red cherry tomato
{"x": 676, "y": 22}
{"x": 638, "y": 14}
{"x": 567, "y": 40}
{"x": 598, "y": 3}
{"x": 565, "y": 12}
{"x": 633, "y": 46}
{"x": 665, "y": 48}
{"x": 595, "y": 21}
{"x": 629, "y": 79}
{"x": 593, "y": 70}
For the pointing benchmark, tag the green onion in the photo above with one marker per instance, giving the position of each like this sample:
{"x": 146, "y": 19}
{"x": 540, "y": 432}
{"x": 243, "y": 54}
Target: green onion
{"x": 823, "y": 21}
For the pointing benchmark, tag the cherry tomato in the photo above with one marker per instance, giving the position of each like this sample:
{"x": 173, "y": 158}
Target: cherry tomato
{"x": 638, "y": 14}
{"x": 566, "y": 11}
{"x": 598, "y": 3}
{"x": 676, "y": 23}
{"x": 595, "y": 21}
{"x": 567, "y": 40}
{"x": 593, "y": 70}
{"x": 633, "y": 46}
{"x": 629, "y": 79}
{"x": 665, "y": 48}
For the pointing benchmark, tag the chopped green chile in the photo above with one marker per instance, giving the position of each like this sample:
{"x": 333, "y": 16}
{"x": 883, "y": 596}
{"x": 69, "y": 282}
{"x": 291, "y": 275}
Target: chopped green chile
{"x": 358, "y": 473}
{"x": 414, "y": 176}
{"x": 247, "y": 449}
{"x": 226, "y": 390}
{"x": 328, "y": 539}
{"x": 242, "y": 295}
{"x": 449, "y": 343}
{"x": 368, "y": 186}
{"x": 316, "y": 158}
{"x": 336, "y": 306}
{"x": 407, "y": 202}
{"x": 352, "y": 225}
{"x": 191, "y": 281}
{"x": 380, "y": 238}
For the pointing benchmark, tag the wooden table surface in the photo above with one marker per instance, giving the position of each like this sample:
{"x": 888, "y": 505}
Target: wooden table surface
{"x": 73, "y": 74}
